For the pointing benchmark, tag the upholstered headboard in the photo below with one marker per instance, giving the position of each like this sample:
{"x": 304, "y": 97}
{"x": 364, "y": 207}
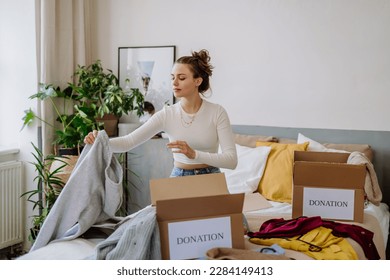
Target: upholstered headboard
{"x": 378, "y": 140}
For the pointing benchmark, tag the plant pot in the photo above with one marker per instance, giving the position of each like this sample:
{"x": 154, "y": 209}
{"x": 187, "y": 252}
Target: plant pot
{"x": 70, "y": 151}
{"x": 65, "y": 172}
{"x": 110, "y": 122}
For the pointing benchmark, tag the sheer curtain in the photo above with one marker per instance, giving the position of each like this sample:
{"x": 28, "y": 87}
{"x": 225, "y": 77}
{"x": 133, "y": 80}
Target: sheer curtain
{"x": 63, "y": 41}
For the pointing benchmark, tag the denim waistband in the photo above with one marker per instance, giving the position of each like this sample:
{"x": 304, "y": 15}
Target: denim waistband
{"x": 176, "y": 171}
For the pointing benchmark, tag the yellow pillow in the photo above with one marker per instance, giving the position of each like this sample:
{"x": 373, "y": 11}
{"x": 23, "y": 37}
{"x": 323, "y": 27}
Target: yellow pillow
{"x": 277, "y": 181}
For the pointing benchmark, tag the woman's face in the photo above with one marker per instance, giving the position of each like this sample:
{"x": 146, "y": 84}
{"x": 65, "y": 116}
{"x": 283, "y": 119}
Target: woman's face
{"x": 183, "y": 82}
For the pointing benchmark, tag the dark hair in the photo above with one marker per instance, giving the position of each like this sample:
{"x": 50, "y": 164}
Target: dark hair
{"x": 199, "y": 63}
{"x": 148, "y": 107}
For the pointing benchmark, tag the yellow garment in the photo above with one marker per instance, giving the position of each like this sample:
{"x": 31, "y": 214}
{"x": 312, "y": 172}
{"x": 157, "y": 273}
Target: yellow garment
{"x": 318, "y": 243}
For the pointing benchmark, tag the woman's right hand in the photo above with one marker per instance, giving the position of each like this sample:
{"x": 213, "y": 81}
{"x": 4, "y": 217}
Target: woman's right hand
{"x": 90, "y": 138}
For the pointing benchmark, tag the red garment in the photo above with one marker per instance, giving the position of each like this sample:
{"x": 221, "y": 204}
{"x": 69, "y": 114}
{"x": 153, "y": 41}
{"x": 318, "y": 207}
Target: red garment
{"x": 288, "y": 228}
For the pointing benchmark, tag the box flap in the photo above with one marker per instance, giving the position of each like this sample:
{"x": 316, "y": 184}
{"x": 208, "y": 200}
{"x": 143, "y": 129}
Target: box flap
{"x": 320, "y": 156}
{"x": 348, "y": 176}
{"x": 195, "y": 207}
{"x": 255, "y": 201}
{"x": 188, "y": 186}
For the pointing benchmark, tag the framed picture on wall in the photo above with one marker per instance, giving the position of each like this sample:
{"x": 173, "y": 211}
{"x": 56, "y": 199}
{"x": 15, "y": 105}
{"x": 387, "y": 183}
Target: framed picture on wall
{"x": 149, "y": 70}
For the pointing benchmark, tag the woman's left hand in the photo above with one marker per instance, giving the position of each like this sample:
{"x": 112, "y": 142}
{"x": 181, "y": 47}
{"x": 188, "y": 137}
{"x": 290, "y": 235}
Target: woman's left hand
{"x": 181, "y": 147}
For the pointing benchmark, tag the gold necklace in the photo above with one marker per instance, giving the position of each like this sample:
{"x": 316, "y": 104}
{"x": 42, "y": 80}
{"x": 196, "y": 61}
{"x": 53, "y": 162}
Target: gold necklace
{"x": 191, "y": 117}
{"x": 184, "y": 122}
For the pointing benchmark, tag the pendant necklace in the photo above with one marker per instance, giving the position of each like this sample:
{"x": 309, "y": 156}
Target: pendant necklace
{"x": 188, "y": 119}
{"x": 184, "y": 122}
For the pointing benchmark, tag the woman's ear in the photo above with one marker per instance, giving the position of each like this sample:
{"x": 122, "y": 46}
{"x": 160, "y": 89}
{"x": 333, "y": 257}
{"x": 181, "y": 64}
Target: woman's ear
{"x": 198, "y": 81}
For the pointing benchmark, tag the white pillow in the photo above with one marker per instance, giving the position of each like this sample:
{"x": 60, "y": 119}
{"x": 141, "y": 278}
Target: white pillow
{"x": 316, "y": 146}
{"x": 250, "y": 168}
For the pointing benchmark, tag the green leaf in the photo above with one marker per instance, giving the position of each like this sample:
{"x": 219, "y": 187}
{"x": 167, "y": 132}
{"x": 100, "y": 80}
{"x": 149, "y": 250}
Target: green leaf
{"x": 81, "y": 112}
{"x": 28, "y": 117}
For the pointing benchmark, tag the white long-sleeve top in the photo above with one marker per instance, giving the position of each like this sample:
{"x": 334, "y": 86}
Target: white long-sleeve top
{"x": 209, "y": 129}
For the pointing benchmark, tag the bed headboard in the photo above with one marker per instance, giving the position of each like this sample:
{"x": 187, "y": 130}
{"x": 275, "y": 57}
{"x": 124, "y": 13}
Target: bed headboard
{"x": 378, "y": 140}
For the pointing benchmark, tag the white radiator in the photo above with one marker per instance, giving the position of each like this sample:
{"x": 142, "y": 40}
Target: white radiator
{"x": 11, "y": 225}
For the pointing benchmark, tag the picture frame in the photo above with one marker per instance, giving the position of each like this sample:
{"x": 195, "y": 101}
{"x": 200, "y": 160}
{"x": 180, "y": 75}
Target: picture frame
{"x": 148, "y": 69}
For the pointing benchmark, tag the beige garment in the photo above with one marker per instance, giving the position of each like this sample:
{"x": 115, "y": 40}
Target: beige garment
{"x": 219, "y": 253}
{"x": 371, "y": 186}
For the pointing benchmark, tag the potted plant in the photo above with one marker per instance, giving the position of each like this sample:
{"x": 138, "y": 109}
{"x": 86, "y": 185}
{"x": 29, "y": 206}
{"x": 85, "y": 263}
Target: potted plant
{"x": 70, "y": 128}
{"x": 101, "y": 99}
{"x": 49, "y": 185}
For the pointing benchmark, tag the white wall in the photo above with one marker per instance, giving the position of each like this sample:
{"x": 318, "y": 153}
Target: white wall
{"x": 17, "y": 82}
{"x": 294, "y": 63}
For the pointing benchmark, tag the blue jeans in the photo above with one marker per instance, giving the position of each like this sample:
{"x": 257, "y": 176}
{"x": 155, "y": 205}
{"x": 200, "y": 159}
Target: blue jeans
{"x": 177, "y": 172}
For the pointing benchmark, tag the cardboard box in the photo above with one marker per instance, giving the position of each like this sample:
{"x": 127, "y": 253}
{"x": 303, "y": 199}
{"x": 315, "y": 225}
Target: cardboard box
{"x": 325, "y": 185}
{"x": 191, "y": 226}
{"x": 202, "y": 185}
{"x": 188, "y": 186}
{"x": 195, "y": 214}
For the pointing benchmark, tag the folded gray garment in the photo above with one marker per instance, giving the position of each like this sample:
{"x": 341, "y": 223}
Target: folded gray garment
{"x": 137, "y": 237}
{"x": 92, "y": 194}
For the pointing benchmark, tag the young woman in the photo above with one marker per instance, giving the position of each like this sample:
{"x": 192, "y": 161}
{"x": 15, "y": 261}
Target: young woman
{"x": 195, "y": 127}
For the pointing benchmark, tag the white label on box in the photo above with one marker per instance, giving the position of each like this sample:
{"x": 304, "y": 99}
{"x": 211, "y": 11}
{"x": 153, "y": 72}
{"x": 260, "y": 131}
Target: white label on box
{"x": 191, "y": 239}
{"x": 328, "y": 203}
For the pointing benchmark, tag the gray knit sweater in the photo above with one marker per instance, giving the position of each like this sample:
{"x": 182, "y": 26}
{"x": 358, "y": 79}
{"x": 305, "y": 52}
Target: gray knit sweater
{"x": 137, "y": 237}
{"x": 92, "y": 194}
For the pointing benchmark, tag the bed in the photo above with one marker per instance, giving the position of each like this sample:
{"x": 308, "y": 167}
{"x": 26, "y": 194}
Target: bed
{"x": 376, "y": 215}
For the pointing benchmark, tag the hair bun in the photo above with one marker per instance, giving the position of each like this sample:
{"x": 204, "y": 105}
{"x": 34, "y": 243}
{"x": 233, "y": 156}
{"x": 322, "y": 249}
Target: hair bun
{"x": 199, "y": 63}
{"x": 203, "y": 58}
{"x": 202, "y": 55}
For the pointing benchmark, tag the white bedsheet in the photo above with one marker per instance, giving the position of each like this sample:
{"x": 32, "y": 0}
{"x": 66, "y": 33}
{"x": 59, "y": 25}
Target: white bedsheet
{"x": 76, "y": 249}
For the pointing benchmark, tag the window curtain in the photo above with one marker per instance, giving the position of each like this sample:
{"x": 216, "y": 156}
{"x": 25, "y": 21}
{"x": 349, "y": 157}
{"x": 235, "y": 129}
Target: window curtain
{"x": 63, "y": 41}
